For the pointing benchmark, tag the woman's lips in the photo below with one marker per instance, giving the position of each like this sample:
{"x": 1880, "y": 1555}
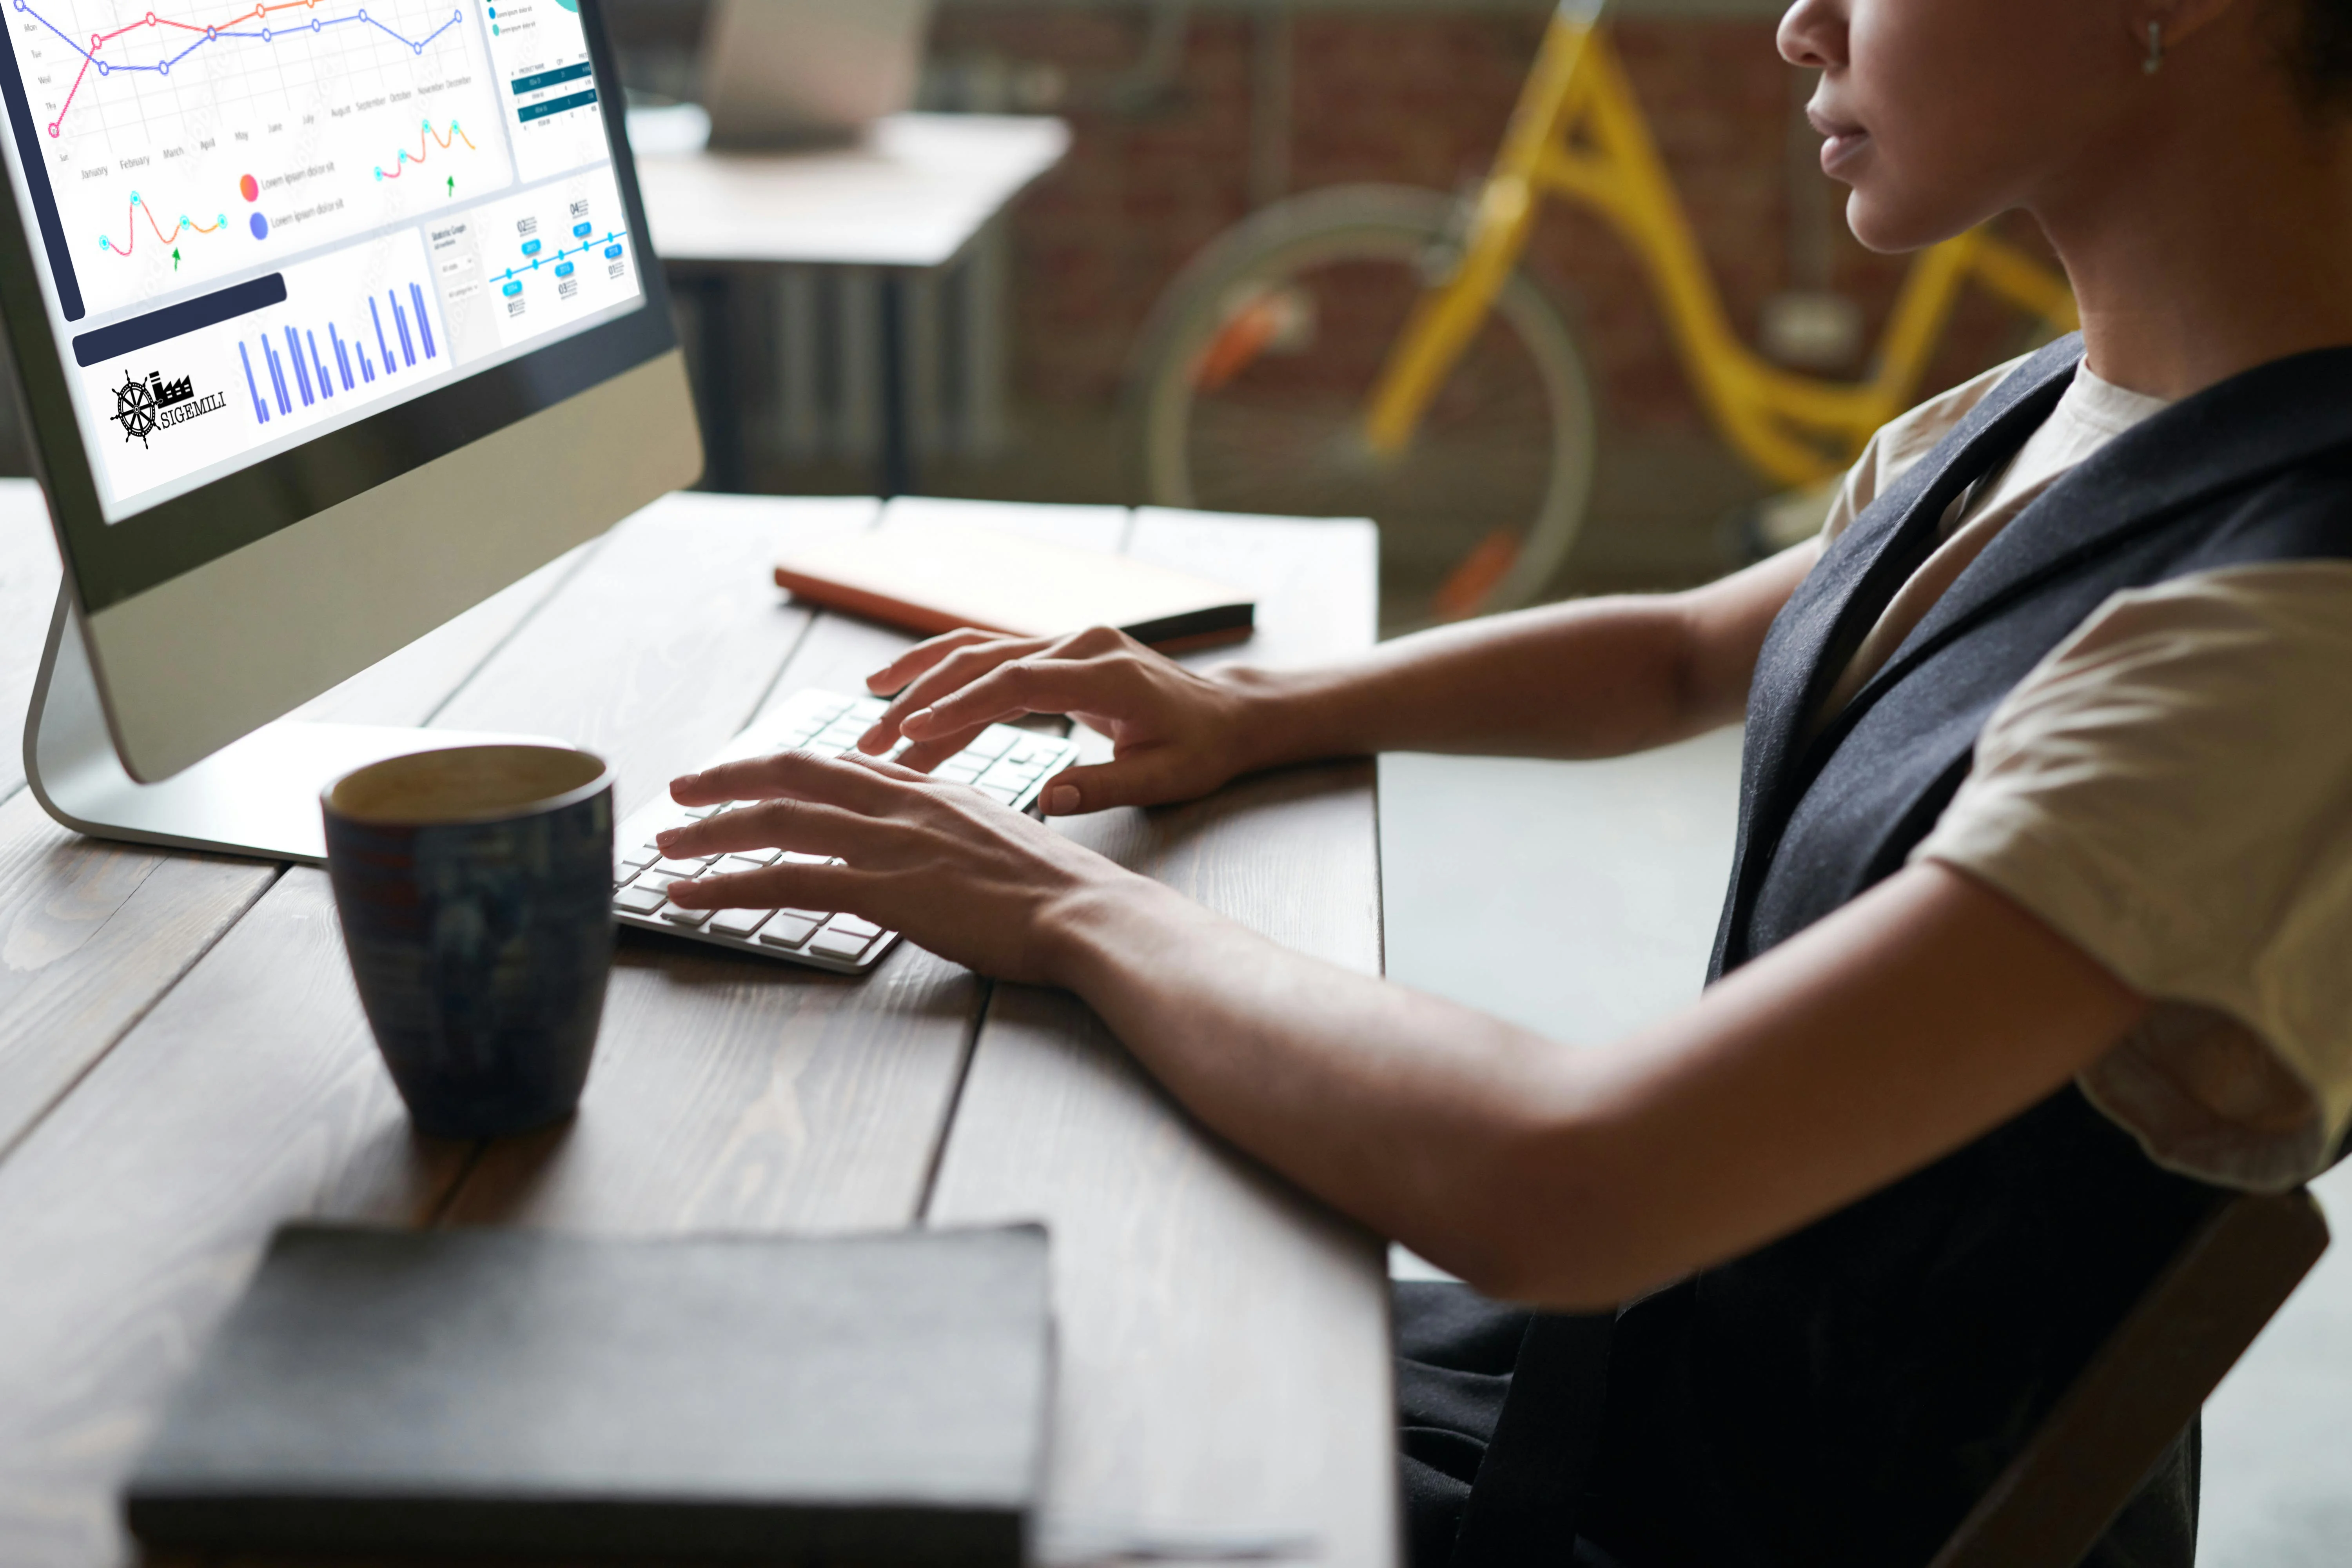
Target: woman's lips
{"x": 1841, "y": 143}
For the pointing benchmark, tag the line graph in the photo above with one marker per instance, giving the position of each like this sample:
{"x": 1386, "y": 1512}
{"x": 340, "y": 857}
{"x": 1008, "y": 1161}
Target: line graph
{"x": 131, "y": 224}
{"x": 426, "y": 140}
{"x": 210, "y": 33}
{"x": 301, "y": 122}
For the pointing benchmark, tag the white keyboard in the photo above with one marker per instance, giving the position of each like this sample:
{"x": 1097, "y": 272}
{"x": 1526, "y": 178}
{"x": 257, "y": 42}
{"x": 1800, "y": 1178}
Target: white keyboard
{"x": 1008, "y": 765}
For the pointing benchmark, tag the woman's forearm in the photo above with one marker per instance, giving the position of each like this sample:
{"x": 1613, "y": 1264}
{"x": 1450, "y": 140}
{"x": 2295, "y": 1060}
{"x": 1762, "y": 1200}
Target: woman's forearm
{"x": 1576, "y": 1176}
{"x": 1616, "y": 675}
{"x": 1392, "y": 1105}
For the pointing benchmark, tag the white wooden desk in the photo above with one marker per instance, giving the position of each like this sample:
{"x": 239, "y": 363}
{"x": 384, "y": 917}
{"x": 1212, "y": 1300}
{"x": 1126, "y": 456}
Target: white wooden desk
{"x": 911, "y": 196}
{"x": 183, "y": 1063}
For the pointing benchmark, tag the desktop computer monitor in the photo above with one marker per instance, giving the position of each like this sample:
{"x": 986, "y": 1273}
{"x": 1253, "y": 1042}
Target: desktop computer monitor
{"x": 331, "y": 317}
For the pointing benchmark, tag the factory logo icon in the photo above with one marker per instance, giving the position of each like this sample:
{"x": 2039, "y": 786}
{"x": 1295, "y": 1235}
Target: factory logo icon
{"x": 143, "y": 407}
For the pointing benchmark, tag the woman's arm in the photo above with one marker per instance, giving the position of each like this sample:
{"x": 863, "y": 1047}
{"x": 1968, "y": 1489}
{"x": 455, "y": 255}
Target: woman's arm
{"x": 1577, "y": 1176}
{"x": 1920, "y": 1014}
{"x": 1588, "y": 677}
{"x": 1594, "y": 677}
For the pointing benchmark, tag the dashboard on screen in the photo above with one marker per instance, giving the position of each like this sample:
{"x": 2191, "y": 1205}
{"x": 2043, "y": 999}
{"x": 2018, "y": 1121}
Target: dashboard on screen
{"x": 254, "y": 227}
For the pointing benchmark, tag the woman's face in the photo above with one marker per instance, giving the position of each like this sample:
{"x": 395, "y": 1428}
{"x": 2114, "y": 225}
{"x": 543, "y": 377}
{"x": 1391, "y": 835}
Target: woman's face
{"x": 1942, "y": 113}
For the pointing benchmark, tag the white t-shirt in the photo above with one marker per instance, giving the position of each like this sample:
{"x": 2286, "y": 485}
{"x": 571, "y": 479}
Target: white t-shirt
{"x": 2171, "y": 790}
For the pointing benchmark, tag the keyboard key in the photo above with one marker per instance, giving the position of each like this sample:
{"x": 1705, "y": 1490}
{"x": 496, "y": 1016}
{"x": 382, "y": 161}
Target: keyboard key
{"x": 795, "y": 858}
{"x": 992, "y": 743}
{"x": 1008, "y": 775}
{"x": 786, "y": 930}
{"x": 738, "y": 923}
{"x": 640, "y": 900}
{"x": 1002, "y": 794}
{"x": 870, "y": 708}
{"x": 839, "y": 944}
{"x": 688, "y": 867}
{"x": 661, "y": 879}
{"x": 854, "y": 926}
{"x": 764, "y": 857}
{"x": 955, "y": 770}
{"x": 679, "y": 916}
{"x": 815, "y": 917}
{"x": 734, "y": 865}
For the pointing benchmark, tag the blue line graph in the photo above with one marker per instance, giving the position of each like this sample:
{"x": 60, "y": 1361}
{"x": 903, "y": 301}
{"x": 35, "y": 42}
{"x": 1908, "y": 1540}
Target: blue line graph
{"x": 210, "y": 34}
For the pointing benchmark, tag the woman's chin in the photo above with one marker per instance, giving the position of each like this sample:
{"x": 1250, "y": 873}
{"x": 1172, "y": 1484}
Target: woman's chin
{"x": 1891, "y": 226}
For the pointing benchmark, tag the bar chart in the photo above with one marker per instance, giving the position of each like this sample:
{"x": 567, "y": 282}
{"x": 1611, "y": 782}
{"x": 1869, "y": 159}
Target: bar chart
{"x": 308, "y": 372}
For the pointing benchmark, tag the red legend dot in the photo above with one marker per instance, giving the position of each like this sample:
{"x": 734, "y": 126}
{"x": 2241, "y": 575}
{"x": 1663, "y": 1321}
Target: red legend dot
{"x": 250, "y": 189}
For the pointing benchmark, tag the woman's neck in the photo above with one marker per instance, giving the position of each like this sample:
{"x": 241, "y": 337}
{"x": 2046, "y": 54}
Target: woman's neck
{"x": 2215, "y": 233}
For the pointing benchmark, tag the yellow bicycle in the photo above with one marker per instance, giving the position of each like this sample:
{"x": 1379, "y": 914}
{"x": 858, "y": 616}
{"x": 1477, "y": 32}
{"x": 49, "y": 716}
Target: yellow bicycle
{"x": 1376, "y": 351}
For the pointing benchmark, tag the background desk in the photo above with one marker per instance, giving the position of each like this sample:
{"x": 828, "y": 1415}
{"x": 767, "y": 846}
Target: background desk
{"x": 911, "y": 198}
{"x": 183, "y": 1063}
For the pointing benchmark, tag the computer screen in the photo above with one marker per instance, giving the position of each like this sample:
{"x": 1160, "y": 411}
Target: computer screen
{"x": 288, "y": 249}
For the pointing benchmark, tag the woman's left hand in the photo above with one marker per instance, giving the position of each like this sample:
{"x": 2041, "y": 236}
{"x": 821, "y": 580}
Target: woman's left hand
{"x": 972, "y": 881}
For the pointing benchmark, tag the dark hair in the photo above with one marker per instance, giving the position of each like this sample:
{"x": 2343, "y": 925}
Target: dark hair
{"x": 2320, "y": 52}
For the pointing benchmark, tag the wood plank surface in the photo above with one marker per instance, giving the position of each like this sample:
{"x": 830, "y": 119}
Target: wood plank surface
{"x": 1224, "y": 1380}
{"x": 131, "y": 1217}
{"x": 252, "y": 1092}
{"x": 667, "y": 647}
{"x": 1225, "y": 1357}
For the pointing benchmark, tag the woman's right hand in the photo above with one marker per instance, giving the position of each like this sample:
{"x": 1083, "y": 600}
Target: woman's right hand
{"x": 1174, "y": 734}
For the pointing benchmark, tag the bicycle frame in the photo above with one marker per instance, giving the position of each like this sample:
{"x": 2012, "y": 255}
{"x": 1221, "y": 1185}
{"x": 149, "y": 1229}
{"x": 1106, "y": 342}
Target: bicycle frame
{"x": 1577, "y": 132}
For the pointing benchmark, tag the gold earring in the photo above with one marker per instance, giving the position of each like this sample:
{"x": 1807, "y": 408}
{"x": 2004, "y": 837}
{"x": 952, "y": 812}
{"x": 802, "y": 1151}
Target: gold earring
{"x": 2155, "y": 60}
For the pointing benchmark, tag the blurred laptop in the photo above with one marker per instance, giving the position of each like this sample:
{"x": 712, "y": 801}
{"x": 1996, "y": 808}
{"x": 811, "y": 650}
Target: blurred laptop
{"x": 781, "y": 72}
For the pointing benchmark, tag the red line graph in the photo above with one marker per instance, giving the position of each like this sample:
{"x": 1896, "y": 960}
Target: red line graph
{"x": 425, "y": 142}
{"x": 131, "y": 223}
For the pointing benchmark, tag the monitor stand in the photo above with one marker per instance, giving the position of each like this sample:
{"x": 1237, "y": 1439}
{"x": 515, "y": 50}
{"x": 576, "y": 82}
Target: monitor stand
{"x": 256, "y": 797}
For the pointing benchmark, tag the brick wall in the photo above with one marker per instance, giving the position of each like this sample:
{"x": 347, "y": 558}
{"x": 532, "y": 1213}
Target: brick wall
{"x": 1416, "y": 98}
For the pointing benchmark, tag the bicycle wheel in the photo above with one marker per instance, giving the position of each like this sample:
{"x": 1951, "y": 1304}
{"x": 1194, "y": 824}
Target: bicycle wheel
{"x": 1254, "y": 370}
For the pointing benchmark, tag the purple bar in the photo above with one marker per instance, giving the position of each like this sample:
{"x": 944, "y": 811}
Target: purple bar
{"x": 260, "y": 409}
{"x": 276, "y": 377}
{"x": 399, "y": 320}
{"x": 377, "y": 317}
{"x": 326, "y": 381}
{"x": 367, "y": 371}
{"x": 301, "y": 371}
{"x": 342, "y": 360}
{"x": 424, "y": 325}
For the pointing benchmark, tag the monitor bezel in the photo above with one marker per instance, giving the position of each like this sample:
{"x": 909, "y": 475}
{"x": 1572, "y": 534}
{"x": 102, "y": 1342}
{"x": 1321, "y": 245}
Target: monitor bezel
{"x": 107, "y": 564}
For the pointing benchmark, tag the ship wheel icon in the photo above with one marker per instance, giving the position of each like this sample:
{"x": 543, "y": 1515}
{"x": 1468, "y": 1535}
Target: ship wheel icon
{"x": 134, "y": 408}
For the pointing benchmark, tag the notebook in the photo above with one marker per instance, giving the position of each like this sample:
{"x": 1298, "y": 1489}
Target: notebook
{"x": 876, "y": 1398}
{"x": 935, "y": 578}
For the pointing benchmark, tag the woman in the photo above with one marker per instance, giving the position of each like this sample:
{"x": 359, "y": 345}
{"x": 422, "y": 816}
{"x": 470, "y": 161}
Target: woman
{"x": 2035, "y": 931}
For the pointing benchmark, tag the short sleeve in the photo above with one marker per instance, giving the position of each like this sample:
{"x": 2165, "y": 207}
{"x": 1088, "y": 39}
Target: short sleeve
{"x": 2171, "y": 790}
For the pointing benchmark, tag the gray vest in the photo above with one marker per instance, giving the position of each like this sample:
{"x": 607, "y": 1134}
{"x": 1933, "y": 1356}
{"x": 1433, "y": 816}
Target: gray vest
{"x": 1843, "y": 1397}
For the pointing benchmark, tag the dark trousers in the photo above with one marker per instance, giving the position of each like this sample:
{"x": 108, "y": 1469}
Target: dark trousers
{"x": 1490, "y": 1480}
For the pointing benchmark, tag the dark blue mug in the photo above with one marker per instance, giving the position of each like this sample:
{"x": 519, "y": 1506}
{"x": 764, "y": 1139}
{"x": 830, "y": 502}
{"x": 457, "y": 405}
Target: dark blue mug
{"x": 475, "y": 886}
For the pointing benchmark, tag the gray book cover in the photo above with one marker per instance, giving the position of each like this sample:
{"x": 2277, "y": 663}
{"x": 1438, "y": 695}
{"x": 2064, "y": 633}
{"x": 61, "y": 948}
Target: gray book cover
{"x": 877, "y": 1397}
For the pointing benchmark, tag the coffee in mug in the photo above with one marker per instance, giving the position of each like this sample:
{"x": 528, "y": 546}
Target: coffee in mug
{"x": 475, "y": 886}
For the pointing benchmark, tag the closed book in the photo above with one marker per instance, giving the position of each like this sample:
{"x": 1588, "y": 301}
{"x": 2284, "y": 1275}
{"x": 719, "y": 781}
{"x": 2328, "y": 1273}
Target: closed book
{"x": 932, "y": 577}
{"x": 878, "y": 1398}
